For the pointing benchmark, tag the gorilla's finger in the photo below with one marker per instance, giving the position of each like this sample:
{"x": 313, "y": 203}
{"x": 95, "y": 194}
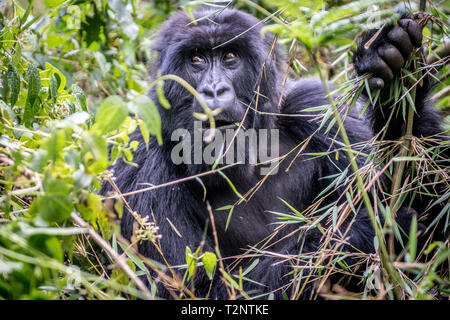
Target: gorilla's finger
{"x": 414, "y": 30}
{"x": 376, "y": 83}
{"x": 400, "y": 39}
{"x": 391, "y": 56}
{"x": 380, "y": 69}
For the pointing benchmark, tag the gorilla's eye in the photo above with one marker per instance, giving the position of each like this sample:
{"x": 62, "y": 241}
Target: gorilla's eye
{"x": 197, "y": 59}
{"x": 229, "y": 56}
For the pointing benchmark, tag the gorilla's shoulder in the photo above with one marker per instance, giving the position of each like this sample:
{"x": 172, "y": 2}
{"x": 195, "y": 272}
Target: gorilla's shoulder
{"x": 303, "y": 94}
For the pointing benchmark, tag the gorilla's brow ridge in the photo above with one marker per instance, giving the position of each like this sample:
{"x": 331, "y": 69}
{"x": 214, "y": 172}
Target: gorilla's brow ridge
{"x": 203, "y": 45}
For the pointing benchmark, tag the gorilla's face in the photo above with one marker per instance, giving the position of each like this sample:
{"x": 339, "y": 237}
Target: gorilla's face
{"x": 224, "y": 61}
{"x": 216, "y": 74}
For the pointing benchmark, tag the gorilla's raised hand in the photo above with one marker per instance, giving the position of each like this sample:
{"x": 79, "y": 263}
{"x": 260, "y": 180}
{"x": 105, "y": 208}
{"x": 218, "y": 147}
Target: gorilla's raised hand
{"x": 383, "y": 52}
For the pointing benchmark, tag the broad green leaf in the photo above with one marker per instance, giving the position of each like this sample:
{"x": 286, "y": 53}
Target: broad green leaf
{"x": 52, "y": 185}
{"x": 144, "y": 107}
{"x": 96, "y": 153}
{"x": 55, "y": 144}
{"x": 110, "y": 115}
{"x": 47, "y": 244}
{"x": 50, "y": 70}
{"x": 53, "y": 3}
{"x": 54, "y": 40}
{"x": 55, "y": 207}
{"x": 209, "y": 260}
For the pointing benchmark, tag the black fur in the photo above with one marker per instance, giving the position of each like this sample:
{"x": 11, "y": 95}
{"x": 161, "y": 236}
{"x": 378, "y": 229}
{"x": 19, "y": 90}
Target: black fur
{"x": 183, "y": 203}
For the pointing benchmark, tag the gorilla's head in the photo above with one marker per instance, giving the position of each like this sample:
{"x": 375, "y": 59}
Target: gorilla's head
{"x": 226, "y": 59}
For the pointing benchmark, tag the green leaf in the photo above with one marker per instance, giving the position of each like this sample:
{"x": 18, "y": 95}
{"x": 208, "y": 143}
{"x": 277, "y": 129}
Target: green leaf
{"x": 148, "y": 113}
{"x": 53, "y": 87}
{"x": 55, "y": 207}
{"x": 50, "y": 69}
{"x": 34, "y": 86}
{"x": 49, "y": 245}
{"x": 80, "y": 98}
{"x": 251, "y": 267}
{"x": 53, "y": 185}
{"x": 13, "y": 84}
{"x": 230, "y": 214}
{"x": 412, "y": 240}
{"x": 53, "y": 3}
{"x": 110, "y": 115}
{"x": 24, "y": 18}
{"x": 209, "y": 260}
{"x": 145, "y": 133}
{"x": 97, "y": 147}
{"x": 30, "y": 111}
{"x": 137, "y": 261}
{"x": 190, "y": 261}
{"x": 55, "y": 144}
{"x": 34, "y": 83}
{"x": 232, "y": 185}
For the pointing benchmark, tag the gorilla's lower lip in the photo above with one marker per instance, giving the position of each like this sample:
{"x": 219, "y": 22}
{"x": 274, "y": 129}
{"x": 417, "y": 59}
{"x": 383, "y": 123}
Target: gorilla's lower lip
{"x": 221, "y": 125}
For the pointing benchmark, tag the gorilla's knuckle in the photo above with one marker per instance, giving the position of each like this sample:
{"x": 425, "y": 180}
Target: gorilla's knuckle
{"x": 400, "y": 39}
{"x": 392, "y": 56}
{"x": 413, "y": 29}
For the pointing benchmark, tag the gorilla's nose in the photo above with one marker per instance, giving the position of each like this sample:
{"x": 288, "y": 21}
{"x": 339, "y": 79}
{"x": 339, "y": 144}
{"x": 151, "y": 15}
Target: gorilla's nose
{"x": 219, "y": 95}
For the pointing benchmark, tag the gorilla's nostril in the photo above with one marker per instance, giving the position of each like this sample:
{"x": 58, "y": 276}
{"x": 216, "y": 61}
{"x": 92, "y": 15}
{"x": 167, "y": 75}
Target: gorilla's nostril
{"x": 222, "y": 90}
{"x": 207, "y": 92}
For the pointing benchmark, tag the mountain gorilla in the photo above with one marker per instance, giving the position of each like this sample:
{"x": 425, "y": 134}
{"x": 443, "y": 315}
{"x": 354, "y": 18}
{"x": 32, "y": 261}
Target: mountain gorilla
{"x": 236, "y": 68}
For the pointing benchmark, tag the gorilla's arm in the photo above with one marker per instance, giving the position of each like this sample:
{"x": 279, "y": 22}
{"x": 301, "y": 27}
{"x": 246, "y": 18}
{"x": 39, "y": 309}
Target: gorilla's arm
{"x": 382, "y": 53}
{"x": 357, "y": 229}
{"x": 176, "y": 209}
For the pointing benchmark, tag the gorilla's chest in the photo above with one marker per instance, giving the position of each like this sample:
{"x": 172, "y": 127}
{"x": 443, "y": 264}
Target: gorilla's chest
{"x": 250, "y": 217}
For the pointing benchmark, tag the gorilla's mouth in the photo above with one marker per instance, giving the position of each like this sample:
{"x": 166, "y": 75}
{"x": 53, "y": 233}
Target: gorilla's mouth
{"x": 222, "y": 124}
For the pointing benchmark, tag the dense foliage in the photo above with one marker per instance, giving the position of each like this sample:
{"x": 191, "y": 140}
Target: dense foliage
{"x": 73, "y": 84}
